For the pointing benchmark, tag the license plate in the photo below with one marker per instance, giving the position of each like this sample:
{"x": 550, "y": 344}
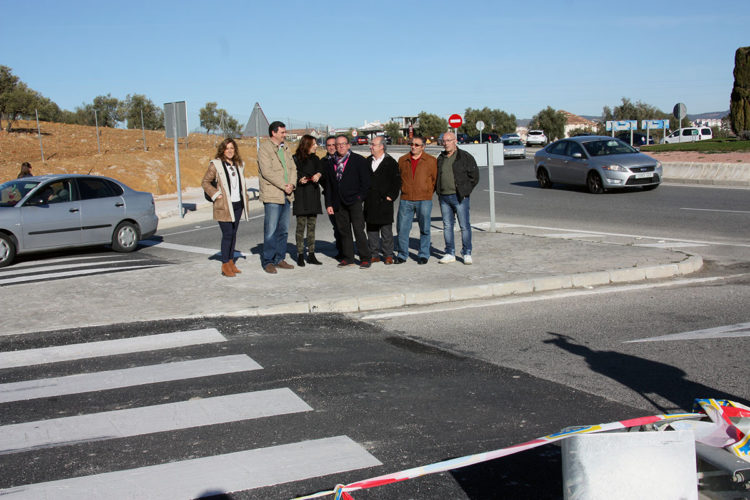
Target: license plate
{"x": 644, "y": 175}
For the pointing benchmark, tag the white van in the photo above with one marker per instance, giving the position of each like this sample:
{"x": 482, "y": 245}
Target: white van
{"x": 688, "y": 134}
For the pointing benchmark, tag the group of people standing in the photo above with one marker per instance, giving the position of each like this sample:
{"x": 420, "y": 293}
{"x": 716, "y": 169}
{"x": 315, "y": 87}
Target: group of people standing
{"x": 359, "y": 195}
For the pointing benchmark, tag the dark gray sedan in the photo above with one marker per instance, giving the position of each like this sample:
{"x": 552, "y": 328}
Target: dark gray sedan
{"x": 597, "y": 162}
{"x": 53, "y": 212}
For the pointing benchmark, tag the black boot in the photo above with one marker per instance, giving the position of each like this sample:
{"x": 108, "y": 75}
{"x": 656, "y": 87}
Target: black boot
{"x": 301, "y": 260}
{"x": 313, "y": 260}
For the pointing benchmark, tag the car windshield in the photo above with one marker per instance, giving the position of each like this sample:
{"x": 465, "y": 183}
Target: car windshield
{"x": 512, "y": 142}
{"x": 607, "y": 147}
{"x": 13, "y": 191}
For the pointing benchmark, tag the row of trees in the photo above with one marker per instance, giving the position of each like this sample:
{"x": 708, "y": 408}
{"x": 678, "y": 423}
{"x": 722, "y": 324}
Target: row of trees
{"x": 17, "y": 100}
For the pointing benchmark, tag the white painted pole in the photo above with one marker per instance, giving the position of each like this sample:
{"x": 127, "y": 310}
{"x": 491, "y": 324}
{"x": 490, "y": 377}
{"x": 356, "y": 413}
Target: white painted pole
{"x": 177, "y": 159}
{"x": 39, "y": 133}
{"x": 96, "y": 122}
{"x": 491, "y": 177}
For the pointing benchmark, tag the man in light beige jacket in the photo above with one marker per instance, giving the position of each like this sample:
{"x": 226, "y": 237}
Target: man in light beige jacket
{"x": 277, "y": 176}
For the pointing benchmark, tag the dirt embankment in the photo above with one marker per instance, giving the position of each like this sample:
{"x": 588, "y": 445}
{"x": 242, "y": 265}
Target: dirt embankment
{"x": 73, "y": 149}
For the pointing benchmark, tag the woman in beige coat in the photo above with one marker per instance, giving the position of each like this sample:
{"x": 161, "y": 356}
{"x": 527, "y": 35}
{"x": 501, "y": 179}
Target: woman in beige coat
{"x": 225, "y": 184}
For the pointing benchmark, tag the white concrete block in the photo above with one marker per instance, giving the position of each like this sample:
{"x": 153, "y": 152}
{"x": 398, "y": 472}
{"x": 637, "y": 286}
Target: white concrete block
{"x": 350, "y": 304}
{"x": 373, "y": 302}
{"x": 512, "y": 288}
{"x": 471, "y": 292}
{"x": 591, "y": 279}
{"x": 663, "y": 271}
{"x": 552, "y": 283}
{"x": 290, "y": 308}
{"x": 427, "y": 297}
{"x": 626, "y": 275}
{"x": 628, "y": 465}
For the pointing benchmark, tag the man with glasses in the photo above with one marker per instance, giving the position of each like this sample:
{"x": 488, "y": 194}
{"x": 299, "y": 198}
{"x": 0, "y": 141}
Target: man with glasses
{"x": 277, "y": 176}
{"x": 346, "y": 188}
{"x": 328, "y": 171}
{"x": 418, "y": 175}
{"x": 457, "y": 176}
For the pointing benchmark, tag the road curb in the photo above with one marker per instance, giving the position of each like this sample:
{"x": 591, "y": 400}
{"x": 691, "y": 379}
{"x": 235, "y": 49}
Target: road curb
{"x": 369, "y": 303}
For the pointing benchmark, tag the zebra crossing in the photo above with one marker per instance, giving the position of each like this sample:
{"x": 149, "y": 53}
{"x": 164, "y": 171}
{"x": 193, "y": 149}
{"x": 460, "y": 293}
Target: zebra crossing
{"x": 70, "y": 267}
{"x": 166, "y": 477}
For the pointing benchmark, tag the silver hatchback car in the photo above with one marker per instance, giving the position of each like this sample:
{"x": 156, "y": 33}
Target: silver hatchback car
{"x": 53, "y": 212}
{"x": 597, "y": 162}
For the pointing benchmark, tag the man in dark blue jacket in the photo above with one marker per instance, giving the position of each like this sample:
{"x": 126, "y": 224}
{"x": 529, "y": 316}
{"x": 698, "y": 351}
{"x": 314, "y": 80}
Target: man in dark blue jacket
{"x": 346, "y": 188}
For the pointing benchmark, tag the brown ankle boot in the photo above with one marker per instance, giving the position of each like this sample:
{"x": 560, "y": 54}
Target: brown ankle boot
{"x": 234, "y": 267}
{"x": 226, "y": 270}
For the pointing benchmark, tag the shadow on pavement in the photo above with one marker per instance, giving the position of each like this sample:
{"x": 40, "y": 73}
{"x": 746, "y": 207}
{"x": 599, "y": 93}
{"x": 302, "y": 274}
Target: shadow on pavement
{"x": 644, "y": 376}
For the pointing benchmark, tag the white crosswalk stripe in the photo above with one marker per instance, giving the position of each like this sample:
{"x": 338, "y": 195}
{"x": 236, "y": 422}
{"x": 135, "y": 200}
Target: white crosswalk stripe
{"x": 59, "y": 268}
{"x": 165, "y": 478}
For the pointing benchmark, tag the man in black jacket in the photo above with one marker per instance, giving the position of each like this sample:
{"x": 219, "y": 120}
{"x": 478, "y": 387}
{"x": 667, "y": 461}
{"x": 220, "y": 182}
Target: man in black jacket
{"x": 457, "y": 176}
{"x": 385, "y": 184}
{"x": 346, "y": 188}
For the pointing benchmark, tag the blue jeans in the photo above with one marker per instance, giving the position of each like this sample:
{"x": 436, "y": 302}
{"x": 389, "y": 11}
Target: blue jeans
{"x": 275, "y": 231}
{"x": 450, "y": 207}
{"x": 404, "y": 221}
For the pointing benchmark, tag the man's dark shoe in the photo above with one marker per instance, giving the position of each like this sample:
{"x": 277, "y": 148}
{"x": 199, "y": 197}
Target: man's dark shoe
{"x": 388, "y": 260}
{"x": 301, "y": 260}
{"x": 422, "y": 261}
{"x": 399, "y": 260}
{"x": 364, "y": 264}
{"x": 344, "y": 263}
{"x": 284, "y": 265}
{"x": 270, "y": 268}
{"x": 313, "y": 260}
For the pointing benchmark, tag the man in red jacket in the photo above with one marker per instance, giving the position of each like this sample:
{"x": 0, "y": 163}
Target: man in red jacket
{"x": 418, "y": 176}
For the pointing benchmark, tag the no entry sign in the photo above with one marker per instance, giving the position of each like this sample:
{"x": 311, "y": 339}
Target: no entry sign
{"x": 455, "y": 121}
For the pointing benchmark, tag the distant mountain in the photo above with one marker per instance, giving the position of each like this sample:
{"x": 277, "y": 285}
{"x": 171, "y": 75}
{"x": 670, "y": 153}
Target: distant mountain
{"x": 707, "y": 116}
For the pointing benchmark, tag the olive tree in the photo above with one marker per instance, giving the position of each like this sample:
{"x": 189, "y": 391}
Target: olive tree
{"x": 739, "y": 103}
{"x": 551, "y": 121}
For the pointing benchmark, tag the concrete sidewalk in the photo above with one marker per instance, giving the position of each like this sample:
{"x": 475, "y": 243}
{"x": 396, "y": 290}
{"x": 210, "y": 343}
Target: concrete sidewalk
{"x": 514, "y": 260}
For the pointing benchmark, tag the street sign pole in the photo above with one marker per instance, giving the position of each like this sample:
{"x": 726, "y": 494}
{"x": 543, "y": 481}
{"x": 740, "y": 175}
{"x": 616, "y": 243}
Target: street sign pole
{"x": 175, "y": 123}
{"x": 177, "y": 160}
{"x": 491, "y": 178}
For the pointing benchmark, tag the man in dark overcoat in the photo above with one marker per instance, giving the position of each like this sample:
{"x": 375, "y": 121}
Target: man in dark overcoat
{"x": 385, "y": 185}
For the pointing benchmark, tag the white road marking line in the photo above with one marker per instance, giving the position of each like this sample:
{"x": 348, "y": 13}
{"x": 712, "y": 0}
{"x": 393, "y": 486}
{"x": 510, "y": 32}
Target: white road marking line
{"x": 573, "y": 235}
{"x": 504, "y": 192}
{"x": 14, "y": 272}
{"x": 717, "y": 210}
{"x": 552, "y": 296}
{"x": 719, "y": 332}
{"x": 52, "y": 261}
{"x": 207, "y": 227}
{"x": 68, "y": 274}
{"x": 149, "y": 419}
{"x": 182, "y": 248}
{"x": 127, "y": 377}
{"x": 210, "y": 475}
{"x": 670, "y": 245}
{"x": 624, "y": 235}
{"x": 55, "y": 354}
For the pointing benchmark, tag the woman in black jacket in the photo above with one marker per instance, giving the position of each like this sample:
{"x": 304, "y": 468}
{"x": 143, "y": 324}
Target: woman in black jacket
{"x": 307, "y": 204}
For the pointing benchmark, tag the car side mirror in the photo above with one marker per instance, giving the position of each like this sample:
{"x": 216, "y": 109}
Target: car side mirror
{"x": 577, "y": 156}
{"x": 637, "y": 149}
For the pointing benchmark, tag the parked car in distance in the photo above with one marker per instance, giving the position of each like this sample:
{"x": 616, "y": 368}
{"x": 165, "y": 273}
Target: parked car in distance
{"x": 536, "y": 138}
{"x": 53, "y": 212}
{"x": 510, "y": 136}
{"x": 597, "y": 162}
{"x": 462, "y": 138}
{"x": 638, "y": 138}
{"x": 688, "y": 134}
{"x": 360, "y": 140}
{"x": 489, "y": 137}
{"x": 513, "y": 148}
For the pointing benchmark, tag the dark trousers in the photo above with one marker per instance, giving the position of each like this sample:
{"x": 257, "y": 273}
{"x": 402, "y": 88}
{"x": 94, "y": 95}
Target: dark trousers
{"x": 229, "y": 233}
{"x": 348, "y": 218}
{"x": 377, "y": 234}
{"x": 336, "y": 236}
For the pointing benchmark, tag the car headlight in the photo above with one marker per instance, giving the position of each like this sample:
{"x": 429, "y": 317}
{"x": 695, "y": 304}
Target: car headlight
{"x": 615, "y": 168}
{"x": 658, "y": 164}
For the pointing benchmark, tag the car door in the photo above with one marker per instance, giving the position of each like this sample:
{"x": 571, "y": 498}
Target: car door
{"x": 554, "y": 160}
{"x": 576, "y": 165}
{"x": 102, "y": 208}
{"x": 51, "y": 217}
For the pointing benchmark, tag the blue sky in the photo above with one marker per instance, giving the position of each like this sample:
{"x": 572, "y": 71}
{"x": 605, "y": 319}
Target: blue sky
{"x": 341, "y": 63}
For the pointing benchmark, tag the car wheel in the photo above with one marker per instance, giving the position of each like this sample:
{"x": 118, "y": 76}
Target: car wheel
{"x": 543, "y": 178}
{"x": 7, "y": 250}
{"x": 594, "y": 183}
{"x": 125, "y": 238}
{"x": 651, "y": 187}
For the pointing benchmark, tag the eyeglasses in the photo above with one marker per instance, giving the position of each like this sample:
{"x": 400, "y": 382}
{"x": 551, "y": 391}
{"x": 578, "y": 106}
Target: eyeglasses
{"x": 340, "y": 144}
{"x": 416, "y": 145}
